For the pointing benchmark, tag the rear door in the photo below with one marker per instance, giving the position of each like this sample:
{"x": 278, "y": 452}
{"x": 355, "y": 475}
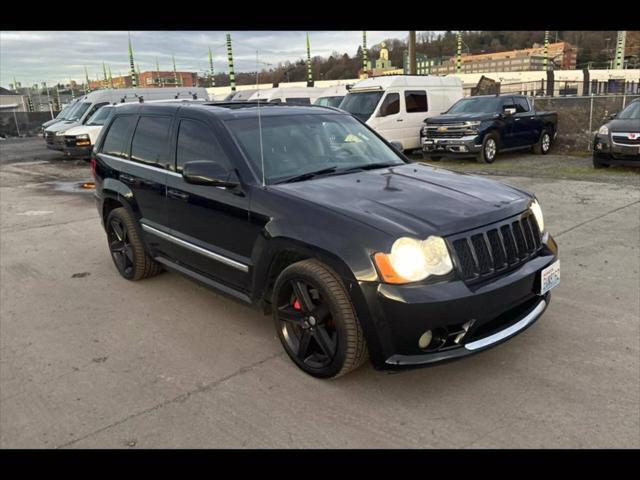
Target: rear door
{"x": 211, "y": 223}
{"x": 525, "y": 127}
{"x": 416, "y": 108}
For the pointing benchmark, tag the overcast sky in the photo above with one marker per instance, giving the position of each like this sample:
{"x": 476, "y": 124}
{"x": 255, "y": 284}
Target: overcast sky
{"x": 58, "y": 56}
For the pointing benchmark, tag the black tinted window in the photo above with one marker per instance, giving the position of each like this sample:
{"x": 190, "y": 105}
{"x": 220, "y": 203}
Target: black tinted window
{"x": 116, "y": 143}
{"x": 150, "y": 140}
{"x": 521, "y": 105}
{"x": 416, "y": 101}
{"x": 390, "y": 104}
{"x": 298, "y": 101}
{"x": 196, "y": 141}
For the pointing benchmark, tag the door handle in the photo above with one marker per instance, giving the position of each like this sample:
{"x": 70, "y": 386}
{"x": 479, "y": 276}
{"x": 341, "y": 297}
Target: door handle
{"x": 399, "y": 120}
{"x": 178, "y": 195}
{"x": 127, "y": 178}
{"x": 516, "y": 119}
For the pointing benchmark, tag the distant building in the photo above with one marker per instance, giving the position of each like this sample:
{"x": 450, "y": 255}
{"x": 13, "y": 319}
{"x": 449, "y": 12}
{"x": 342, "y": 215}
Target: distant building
{"x": 424, "y": 64}
{"x": 168, "y": 79}
{"x": 123, "y": 81}
{"x": 382, "y": 66}
{"x": 561, "y": 55}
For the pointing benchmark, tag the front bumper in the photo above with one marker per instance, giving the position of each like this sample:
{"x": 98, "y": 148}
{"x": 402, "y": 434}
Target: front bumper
{"x": 608, "y": 152}
{"x": 466, "y": 145}
{"x": 492, "y": 312}
{"x": 78, "y": 152}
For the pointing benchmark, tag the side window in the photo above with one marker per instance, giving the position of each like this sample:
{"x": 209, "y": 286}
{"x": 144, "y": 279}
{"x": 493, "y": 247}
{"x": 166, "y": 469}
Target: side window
{"x": 416, "y": 101}
{"x": 508, "y": 104}
{"x": 275, "y": 100}
{"x": 116, "y": 142}
{"x": 522, "y": 105}
{"x": 196, "y": 141}
{"x": 390, "y": 104}
{"x": 150, "y": 140}
{"x": 94, "y": 109}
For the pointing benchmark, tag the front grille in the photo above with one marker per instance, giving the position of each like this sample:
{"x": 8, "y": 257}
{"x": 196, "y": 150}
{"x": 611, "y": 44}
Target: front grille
{"x": 497, "y": 248}
{"x": 50, "y": 137}
{"x": 447, "y": 131}
{"x": 623, "y": 139}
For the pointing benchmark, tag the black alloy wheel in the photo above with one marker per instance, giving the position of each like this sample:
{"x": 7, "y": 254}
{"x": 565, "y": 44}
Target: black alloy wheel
{"x": 315, "y": 321}
{"x": 120, "y": 247}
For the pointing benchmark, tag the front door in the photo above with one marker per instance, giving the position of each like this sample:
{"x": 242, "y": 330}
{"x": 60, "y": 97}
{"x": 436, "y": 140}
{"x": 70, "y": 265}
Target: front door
{"x": 388, "y": 121}
{"x": 210, "y": 223}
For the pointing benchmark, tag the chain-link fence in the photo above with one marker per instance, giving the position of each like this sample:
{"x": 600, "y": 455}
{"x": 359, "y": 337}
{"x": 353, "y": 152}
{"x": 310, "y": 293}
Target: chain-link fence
{"x": 20, "y": 124}
{"x": 580, "y": 117}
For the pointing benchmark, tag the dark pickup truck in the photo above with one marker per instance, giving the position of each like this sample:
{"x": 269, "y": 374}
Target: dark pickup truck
{"x": 484, "y": 125}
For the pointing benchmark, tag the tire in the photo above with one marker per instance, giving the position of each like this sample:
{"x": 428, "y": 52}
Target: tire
{"x": 489, "y": 149}
{"x": 302, "y": 292}
{"x": 543, "y": 145}
{"x": 426, "y": 156}
{"x": 126, "y": 247}
{"x": 598, "y": 164}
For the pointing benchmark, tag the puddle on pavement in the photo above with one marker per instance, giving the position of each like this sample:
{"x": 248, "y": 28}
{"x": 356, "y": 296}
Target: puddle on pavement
{"x": 72, "y": 187}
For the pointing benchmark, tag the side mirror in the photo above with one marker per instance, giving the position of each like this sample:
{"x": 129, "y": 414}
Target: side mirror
{"x": 397, "y": 146}
{"x": 506, "y": 111}
{"x": 205, "y": 172}
{"x": 612, "y": 116}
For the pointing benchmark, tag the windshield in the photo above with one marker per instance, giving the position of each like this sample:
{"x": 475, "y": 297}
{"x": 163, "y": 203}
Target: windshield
{"x": 477, "y": 105}
{"x": 297, "y": 144}
{"x": 361, "y": 105}
{"x": 329, "y": 101}
{"x": 632, "y": 112}
{"x": 78, "y": 111}
{"x": 66, "y": 111}
{"x": 101, "y": 116}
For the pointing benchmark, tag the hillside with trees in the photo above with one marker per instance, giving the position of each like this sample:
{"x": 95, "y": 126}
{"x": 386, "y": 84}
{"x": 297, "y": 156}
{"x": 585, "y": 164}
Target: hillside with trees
{"x": 595, "y": 49}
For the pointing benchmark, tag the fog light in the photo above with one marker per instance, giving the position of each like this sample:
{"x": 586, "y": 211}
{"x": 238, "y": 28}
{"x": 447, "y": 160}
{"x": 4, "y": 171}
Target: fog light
{"x": 463, "y": 148}
{"x": 425, "y": 339}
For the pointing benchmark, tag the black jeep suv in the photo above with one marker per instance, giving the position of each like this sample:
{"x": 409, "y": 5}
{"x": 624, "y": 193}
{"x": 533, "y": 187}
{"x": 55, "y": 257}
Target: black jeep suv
{"x": 307, "y": 213}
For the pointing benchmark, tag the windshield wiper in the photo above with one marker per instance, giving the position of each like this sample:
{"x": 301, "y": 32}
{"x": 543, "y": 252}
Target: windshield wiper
{"x": 308, "y": 175}
{"x": 371, "y": 166}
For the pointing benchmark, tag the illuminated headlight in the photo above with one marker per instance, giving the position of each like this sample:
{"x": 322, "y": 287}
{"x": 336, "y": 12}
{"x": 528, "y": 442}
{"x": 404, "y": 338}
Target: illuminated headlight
{"x": 604, "y": 130}
{"x": 537, "y": 212}
{"x": 82, "y": 137}
{"x": 413, "y": 260}
{"x": 59, "y": 134}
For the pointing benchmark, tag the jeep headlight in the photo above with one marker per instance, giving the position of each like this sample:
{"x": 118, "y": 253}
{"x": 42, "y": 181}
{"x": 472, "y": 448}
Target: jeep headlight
{"x": 537, "y": 212}
{"x": 604, "y": 130}
{"x": 412, "y": 260}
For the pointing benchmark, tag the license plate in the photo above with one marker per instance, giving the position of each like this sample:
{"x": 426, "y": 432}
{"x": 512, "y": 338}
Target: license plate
{"x": 550, "y": 277}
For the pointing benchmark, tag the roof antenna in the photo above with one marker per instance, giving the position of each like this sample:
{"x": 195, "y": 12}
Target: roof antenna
{"x": 264, "y": 184}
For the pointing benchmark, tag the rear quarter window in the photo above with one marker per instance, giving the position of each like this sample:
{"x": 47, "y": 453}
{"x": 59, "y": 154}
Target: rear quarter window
{"x": 116, "y": 142}
{"x": 416, "y": 101}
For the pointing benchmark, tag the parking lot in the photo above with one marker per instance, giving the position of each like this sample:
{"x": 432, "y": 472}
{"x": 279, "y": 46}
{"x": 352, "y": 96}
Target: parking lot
{"x": 88, "y": 359}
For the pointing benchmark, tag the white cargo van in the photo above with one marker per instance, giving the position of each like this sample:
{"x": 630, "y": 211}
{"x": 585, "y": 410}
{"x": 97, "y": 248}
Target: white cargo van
{"x": 293, "y": 95}
{"x": 332, "y": 96}
{"x": 396, "y": 105}
{"x": 88, "y": 104}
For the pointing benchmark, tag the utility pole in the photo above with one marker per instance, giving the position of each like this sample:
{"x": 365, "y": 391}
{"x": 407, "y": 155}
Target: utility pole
{"x": 175, "y": 72}
{"x": 212, "y": 80}
{"x": 309, "y": 72}
{"x": 412, "y": 53}
{"x": 232, "y": 75}
{"x": 620, "y": 44}
{"x": 86, "y": 79}
{"x": 71, "y": 89}
{"x": 459, "y": 53}
{"x": 545, "y": 61}
{"x": 104, "y": 74}
{"x": 365, "y": 56}
{"x": 158, "y": 72}
{"x": 134, "y": 80}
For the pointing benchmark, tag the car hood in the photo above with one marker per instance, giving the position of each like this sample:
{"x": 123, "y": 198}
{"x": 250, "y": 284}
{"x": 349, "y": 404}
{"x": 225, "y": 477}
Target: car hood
{"x": 624, "y": 125}
{"x": 413, "y": 199}
{"x": 48, "y": 123}
{"x": 460, "y": 117}
{"x": 62, "y": 126}
{"x": 84, "y": 129}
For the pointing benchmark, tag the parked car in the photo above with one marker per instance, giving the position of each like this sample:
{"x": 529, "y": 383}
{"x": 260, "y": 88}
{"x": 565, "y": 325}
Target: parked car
{"x": 62, "y": 115}
{"x": 484, "y": 125}
{"x": 617, "y": 142}
{"x": 87, "y": 105}
{"x": 290, "y": 95}
{"x": 396, "y": 105}
{"x": 308, "y": 214}
{"x": 332, "y": 96}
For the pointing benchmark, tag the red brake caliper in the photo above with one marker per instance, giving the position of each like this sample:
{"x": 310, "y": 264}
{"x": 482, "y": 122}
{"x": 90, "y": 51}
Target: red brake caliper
{"x": 296, "y": 305}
